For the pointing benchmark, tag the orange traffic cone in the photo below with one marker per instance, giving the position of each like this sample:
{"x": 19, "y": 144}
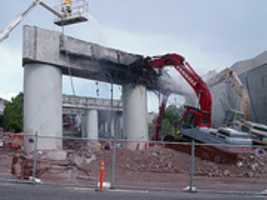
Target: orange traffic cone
{"x": 101, "y": 175}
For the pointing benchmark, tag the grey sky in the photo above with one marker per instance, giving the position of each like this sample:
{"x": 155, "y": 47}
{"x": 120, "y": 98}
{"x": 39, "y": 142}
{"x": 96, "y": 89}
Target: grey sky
{"x": 211, "y": 34}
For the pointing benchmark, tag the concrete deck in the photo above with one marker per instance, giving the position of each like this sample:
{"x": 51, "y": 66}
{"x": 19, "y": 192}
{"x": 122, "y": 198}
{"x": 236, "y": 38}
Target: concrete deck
{"x": 80, "y": 58}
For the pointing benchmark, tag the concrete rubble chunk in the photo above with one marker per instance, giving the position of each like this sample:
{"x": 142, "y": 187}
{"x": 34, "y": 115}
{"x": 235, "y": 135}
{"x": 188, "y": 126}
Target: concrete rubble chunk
{"x": 57, "y": 155}
{"x": 89, "y": 60}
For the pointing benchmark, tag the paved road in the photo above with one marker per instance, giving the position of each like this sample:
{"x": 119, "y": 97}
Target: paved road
{"x": 41, "y": 192}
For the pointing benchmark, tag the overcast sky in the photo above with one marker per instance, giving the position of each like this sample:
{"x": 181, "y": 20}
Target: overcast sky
{"x": 211, "y": 34}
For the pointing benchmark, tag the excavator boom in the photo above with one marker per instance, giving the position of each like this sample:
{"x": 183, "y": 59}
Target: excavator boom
{"x": 193, "y": 117}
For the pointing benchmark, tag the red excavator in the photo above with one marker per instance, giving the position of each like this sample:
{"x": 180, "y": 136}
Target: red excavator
{"x": 195, "y": 120}
{"x": 192, "y": 117}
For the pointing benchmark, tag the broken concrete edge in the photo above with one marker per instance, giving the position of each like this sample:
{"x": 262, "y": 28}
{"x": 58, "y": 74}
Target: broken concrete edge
{"x": 33, "y": 41}
{"x": 85, "y": 59}
{"x": 218, "y": 77}
{"x": 239, "y": 68}
{"x": 71, "y": 45}
{"x": 250, "y": 64}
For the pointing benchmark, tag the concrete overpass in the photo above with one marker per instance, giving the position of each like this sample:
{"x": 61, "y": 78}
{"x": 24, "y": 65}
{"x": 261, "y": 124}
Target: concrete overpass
{"x": 47, "y": 55}
{"x": 99, "y": 117}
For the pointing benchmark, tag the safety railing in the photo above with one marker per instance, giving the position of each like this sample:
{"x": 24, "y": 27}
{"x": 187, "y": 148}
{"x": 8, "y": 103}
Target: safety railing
{"x": 77, "y": 11}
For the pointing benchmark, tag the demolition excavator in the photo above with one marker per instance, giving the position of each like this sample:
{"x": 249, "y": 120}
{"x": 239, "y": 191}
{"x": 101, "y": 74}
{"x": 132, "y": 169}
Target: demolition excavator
{"x": 193, "y": 117}
{"x": 197, "y": 121}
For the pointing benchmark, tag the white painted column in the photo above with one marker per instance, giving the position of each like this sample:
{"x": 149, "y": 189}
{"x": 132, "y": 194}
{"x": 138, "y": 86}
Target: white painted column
{"x": 43, "y": 106}
{"x": 116, "y": 127}
{"x": 92, "y": 124}
{"x": 121, "y": 129}
{"x": 101, "y": 128}
{"x": 135, "y": 112}
{"x": 106, "y": 127}
{"x": 112, "y": 126}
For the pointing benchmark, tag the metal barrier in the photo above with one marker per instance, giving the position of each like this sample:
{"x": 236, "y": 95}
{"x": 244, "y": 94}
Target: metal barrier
{"x": 233, "y": 168}
{"x": 135, "y": 164}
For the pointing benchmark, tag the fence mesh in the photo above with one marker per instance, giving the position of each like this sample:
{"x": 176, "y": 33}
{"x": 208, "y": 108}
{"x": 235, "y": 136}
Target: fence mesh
{"x": 133, "y": 164}
{"x": 151, "y": 165}
{"x": 231, "y": 168}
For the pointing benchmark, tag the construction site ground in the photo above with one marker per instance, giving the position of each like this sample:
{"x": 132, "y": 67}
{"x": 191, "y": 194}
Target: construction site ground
{"x": 153, "y": 168}
{"x": 44, "y": 192}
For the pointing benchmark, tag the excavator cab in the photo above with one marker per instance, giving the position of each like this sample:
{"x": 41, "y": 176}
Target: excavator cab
{"x": 194, "y": 117}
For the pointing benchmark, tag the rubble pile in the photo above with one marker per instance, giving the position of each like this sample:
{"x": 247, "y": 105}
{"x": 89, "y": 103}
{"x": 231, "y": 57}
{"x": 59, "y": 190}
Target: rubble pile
{"x": 79, "y": 160}
{"x": 162, "y": 160}
{"x": 66, "y": 164}
{"x": 155, "y": 159}
{"x": 248, "y": 165}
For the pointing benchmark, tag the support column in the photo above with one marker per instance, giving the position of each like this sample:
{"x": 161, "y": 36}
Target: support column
{"x": 112, "y": 127}
{"x": 106, "y": 127}
{"x": 135, "y": 112}
{"x": 121, "y": 129}
{"x": 43, "y": 106}
{"x": 83, "y": 126}
{"x": 101, "y": 129}
{"x": 92, "y": 124}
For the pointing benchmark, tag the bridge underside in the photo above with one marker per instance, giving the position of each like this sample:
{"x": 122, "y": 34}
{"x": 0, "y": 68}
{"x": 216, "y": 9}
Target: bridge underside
{"x": 47, "y": 55}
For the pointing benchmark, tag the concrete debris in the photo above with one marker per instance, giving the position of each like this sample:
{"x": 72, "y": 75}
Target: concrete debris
{"x": 72, "y": 163}
{"x": 161, "y": 160}
{"x": 83, "y": 163}
{"x": 79, "y": 161}
{"x": 56, "y": 155}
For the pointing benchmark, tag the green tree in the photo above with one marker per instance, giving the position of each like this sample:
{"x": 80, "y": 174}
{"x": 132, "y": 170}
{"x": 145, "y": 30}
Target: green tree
{"x": 170, "y": 123}
{"x": 13, "y": 114}
{"x": 167, "y": 128}
{"x": 1, "y": 121}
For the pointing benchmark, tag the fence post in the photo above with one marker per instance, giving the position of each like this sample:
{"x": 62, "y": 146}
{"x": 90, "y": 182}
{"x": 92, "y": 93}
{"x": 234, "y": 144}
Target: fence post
{"x": 114, "y": 162}
{"x": 192, "y": 188}
{"x": 35, "y": 158}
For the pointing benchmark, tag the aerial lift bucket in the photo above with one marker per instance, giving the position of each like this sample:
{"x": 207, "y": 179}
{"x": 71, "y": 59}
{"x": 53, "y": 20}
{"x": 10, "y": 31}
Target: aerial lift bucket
{"x": 72, "y": 11}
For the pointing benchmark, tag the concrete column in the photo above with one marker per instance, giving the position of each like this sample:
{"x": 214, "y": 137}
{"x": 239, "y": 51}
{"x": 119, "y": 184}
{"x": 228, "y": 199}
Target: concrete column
{"x": 135, "y": 112}
{"x": 121, "y": 129}
{"x": 92, "y": 124}
{"x": 101, "y": 129}
{"x": 43, "y": 106}
{"x": 116, "y": 127}
{"x": 106, "y": 127}
{"x": 112, "y": 126}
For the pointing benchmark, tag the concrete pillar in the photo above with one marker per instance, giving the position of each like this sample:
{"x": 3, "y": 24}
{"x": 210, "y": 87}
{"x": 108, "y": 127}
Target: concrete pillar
{"x": 101, "y": 129}
{"x": 43, "y": 106}
{"x": 135, "y": 112}
{"x": 121, "y": 129}
{"x": 83, "y": 126}
{"x": 92, "y": 124}
{"x": 116, "y": 127}
{"x": 106, "y": 127}
{"x": 112, "y": 126}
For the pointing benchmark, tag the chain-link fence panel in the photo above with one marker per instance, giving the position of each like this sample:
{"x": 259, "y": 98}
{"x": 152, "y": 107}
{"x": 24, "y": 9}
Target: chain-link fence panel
{"x": 231, "y": 168}
{"x": 148, "y": 165}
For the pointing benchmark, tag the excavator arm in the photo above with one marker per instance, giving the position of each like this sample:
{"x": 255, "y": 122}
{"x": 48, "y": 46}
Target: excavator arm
{"x": 192, "y": 117}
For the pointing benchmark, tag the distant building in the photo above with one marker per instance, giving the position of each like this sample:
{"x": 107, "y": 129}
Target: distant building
{"x": 253, "y": 75}
{"x": 3, "y": 103}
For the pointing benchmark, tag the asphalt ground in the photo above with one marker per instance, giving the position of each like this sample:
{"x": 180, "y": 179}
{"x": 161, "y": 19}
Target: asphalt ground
{"x": 11, "y": 191}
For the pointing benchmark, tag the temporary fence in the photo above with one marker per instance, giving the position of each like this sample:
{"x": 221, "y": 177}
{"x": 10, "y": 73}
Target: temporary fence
{"x": 124, "y": 164}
